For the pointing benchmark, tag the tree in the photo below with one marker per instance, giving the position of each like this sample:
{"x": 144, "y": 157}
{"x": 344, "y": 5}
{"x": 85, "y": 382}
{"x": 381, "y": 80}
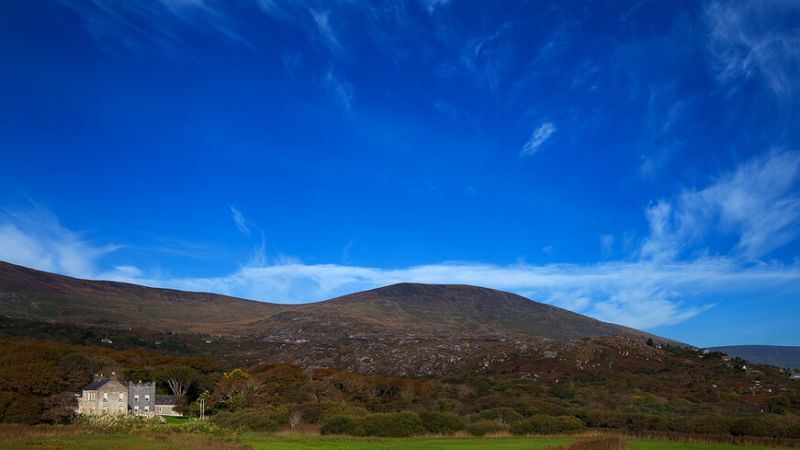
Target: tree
{"x": 294, "y": 419}
{"x": 650, "y": 342}
{"x": 179, "y": 379}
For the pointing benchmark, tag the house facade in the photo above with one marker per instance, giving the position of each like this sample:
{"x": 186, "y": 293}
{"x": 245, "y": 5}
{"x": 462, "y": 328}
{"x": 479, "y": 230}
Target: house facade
{"x": 107, "y": 396}
{"x": 141, "y": 398}
{"x": 104, "y": 396}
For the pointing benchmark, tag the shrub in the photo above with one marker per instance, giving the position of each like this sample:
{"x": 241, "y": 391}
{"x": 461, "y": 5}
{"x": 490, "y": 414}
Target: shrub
{"x": 312, "y": 412}
{"x": 401, "y": 424}
{"x": 440, "y": 423}
{"x": 502, "y": 414}
{"x": 342, "y": 425}
{"x": 484, "y": 427}
{"x": 342, "y": 409}
{"x": 262, "y": 420}
{"x": 543, "y": 424}
{"x": 562, "y": 392}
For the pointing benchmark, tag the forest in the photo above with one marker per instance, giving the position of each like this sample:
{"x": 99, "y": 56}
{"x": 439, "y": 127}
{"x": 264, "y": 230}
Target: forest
{"x": 38, "y": 380}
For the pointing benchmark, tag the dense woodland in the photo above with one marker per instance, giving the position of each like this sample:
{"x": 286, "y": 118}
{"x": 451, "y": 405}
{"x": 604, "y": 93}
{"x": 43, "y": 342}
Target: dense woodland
{"x": 39, "y": 377}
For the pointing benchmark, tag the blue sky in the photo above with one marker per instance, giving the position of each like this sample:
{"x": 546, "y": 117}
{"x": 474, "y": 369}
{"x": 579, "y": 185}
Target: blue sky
{"x": 637, "y": 162}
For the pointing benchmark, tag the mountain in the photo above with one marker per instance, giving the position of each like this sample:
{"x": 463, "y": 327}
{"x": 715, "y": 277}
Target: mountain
{"x": 787, "y": 357}
{"x": 32, "y": 294}
{"x": 401, "y": 329}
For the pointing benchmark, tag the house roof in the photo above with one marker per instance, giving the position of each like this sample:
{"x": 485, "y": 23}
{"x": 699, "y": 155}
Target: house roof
{"x": 165, "y": 399}
{"x": 96, "y": 384}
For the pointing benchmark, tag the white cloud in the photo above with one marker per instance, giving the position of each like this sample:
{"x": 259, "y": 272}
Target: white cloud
{"x": 747, "y": 39}
{"x": 540, "y": 135}
{"x": 240, "y": 221}
{"x": 36, "y": 239}
{"x": 758, "y": 203}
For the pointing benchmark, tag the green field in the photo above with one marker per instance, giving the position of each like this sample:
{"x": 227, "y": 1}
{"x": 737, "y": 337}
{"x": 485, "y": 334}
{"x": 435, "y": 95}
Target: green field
{"x": 269, "y": 442}
{"x": 264, "y": 442}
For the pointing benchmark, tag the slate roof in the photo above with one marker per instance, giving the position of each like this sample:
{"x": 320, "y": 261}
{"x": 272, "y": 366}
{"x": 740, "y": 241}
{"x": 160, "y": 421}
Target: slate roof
{"x": 165, "y": 399}
{"x": 96, "y": 384}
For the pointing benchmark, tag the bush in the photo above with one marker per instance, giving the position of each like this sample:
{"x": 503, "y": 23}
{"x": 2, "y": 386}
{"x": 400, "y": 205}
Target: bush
{"x": 751, "y": 426}
{"x": 401, "y": 424}
{"x": 543, "y": 424}
{"x": 504, "y": 414}
{"x": 262, "y": 420}
{"x": 312, "y": 412}
{"x": 342, "y": 425}
{"x": 440, "y": 423}
{"x": 562, "y": 392}
{"x": 484, "y": 427}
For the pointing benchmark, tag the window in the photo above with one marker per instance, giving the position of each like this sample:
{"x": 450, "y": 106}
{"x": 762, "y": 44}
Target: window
{"x": 91, "y": 396}
{"x": 136, "y": 408}
{"x": 136, "y": 397}
{"x": 105, "y": 396}
{"x": 146, "y": 408}
{"x": 121, "y": 396}
{"x": 147, "y": 398}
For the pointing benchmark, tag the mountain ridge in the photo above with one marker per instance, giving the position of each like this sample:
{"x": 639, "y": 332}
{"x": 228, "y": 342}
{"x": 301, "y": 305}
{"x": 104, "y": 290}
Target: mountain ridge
{"x": 405, "y": 328}
{"x": 785, "y": 356}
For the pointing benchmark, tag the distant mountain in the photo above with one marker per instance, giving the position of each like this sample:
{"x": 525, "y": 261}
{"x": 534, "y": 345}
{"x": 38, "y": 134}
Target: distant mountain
{"x": 787, "y": 357}
{"x": 404, "y": 328}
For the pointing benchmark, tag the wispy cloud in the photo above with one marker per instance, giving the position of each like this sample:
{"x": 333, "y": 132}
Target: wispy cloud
{"x": 35, "y": 238}
{"x": 240, "y": 221}
{"x": 433, "y": 5}
{"x": 326, "y": 32}
{"x": 606, "y": 245}
{"x": 758, "y": 203}
{"x": 339, "y": 89}
{"x": 752, "y": 38}
{"x": 137, "y": 26}
{"x": 540, "y": 135}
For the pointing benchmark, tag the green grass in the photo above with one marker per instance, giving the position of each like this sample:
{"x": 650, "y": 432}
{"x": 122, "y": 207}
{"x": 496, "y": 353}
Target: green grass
{"x": 664, "y": 445}
{"x": 85, "y": 442}
{"x": 176, "y": 419}
{"x": 270, "y": 442}
{"x": 265, "y": 442}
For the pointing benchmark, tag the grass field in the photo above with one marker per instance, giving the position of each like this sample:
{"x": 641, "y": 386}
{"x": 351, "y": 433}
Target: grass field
{"x": 66, "y": 440}
{"x": 263, "y": 442}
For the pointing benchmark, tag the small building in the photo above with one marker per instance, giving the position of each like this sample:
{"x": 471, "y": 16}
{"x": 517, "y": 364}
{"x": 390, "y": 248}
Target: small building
{"x": 103, "y": 396}
{"x": 165, "y": 405}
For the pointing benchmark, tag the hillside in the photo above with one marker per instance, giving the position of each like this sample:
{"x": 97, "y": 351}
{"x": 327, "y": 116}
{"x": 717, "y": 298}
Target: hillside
{"x": 404, "y": 329}
{"x": 776, "y": 355}
{"x": 32, "y": 294}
